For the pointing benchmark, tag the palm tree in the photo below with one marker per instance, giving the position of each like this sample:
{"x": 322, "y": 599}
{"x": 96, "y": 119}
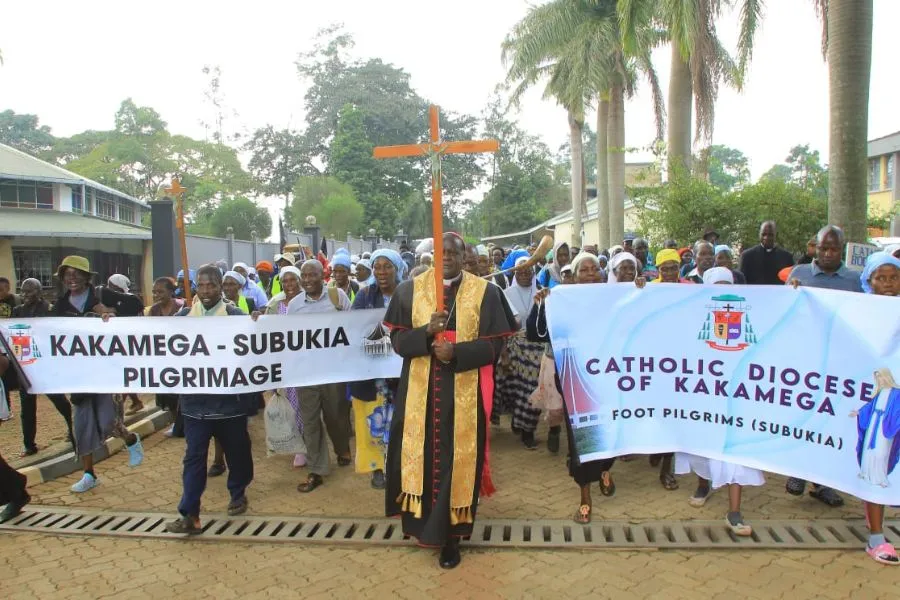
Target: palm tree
{"x": 699, "y": 62}
{"x": 847, "y": 44}
{"x": 577, "y": 46}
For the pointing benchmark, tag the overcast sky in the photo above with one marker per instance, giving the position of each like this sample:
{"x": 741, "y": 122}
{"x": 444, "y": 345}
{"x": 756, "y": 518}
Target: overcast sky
{"x": 72, "y": 63}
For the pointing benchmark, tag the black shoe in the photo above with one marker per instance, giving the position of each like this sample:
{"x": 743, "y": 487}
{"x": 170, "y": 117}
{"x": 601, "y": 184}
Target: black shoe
{"x": 378, "y": 480}
{"x": 13, "y": 509}
{"x": 215, "y": 470}
{"x": 553, "y": 440}
{"x": 185, "y": 526}
{"x": 450, "y": 557}
{"x": 238, "y": 507}
{"x": 529, "y": 441}
{"x": 29, "y": 452}
{"x": 495, "y": 419}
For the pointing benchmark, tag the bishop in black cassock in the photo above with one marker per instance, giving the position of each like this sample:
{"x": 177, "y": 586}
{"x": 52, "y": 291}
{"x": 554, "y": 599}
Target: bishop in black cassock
{"x": 436, "y": 464}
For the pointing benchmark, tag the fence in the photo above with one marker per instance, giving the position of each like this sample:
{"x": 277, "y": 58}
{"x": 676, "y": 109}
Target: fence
{"x": 203, "y": 249}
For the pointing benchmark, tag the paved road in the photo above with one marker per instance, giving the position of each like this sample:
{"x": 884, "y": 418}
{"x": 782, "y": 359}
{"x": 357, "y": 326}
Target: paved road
{"x": 45, "y": 567}
{"x": 531, "y": 484}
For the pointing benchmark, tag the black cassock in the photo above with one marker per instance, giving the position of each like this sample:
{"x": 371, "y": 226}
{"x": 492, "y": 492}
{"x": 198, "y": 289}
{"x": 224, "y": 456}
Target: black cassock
{"x": 496, "y": 322}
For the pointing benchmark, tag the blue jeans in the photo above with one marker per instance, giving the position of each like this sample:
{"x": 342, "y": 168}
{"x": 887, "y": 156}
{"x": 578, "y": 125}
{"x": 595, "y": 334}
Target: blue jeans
{"x": 235, "y": 439}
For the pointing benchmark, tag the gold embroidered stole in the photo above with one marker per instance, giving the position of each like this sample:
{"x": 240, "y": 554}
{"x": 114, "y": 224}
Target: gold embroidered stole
{"x": 465, "y": 386}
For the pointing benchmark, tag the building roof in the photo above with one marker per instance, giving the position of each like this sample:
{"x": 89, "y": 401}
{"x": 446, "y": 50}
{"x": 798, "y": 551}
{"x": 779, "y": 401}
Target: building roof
{"x": 564, "y": 217}
{"x": 16, "y": 164}
{"x": 884, "y": 145}
{"x": 29, "y": 222}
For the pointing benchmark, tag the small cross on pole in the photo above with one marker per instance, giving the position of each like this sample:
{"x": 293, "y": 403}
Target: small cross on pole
{"x": 176, "y": 191}
{"x": 434, "y": 149}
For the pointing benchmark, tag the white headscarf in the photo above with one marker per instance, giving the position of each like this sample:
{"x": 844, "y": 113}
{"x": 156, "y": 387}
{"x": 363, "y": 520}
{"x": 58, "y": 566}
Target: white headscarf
{"x": 240, "y": 279}
{"x": 520, "y": 297}
{"x": 291, "y": 269}
{"x": 584, "y": 257}
{"x": 617, "y": 260}
{"x": 717, "y": 275}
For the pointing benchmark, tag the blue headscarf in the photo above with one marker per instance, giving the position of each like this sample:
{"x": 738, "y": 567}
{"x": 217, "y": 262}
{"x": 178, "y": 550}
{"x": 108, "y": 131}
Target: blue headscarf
{"x": 875, "y": 260}
{"x": 394, "y": 257}
{"x": 341, "y": 259}
{"x": 510, "y": 261}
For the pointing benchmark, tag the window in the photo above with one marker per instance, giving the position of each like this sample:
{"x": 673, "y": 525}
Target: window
{"x": 33, "y": 263}
{"x": 126, "y": 212}
{"x": 25, "y": 194}
{"x": 875, "y": 174}
{"x": 890, "y": 172}
{"x": 106, "y": 208}
{"x": 77, "y": 200}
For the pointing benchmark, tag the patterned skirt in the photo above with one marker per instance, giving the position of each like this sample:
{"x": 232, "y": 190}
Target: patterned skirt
{"x": 521, "y": 380}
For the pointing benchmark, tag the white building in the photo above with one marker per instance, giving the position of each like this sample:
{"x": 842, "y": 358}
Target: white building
{"x": 47, "y": 213}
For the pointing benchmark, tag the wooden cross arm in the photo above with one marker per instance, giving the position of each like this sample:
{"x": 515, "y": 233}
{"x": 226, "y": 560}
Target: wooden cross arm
{"x": 467, "y": 147}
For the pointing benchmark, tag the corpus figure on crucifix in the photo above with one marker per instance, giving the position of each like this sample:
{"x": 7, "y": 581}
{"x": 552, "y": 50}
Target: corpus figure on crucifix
{"x": 450, "y": 327}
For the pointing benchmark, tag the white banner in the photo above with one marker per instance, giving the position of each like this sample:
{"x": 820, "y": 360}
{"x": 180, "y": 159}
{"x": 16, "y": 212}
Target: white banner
{"x": 170, "y": 355}
{"x": 798, "y": 382}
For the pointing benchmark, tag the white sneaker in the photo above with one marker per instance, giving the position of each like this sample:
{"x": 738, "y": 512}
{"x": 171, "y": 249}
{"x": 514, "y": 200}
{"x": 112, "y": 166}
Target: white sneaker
{"x": 87, "y": 482}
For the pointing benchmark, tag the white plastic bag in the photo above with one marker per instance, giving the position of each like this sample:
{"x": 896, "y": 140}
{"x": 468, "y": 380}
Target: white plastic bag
{"x": 282, "y": 434}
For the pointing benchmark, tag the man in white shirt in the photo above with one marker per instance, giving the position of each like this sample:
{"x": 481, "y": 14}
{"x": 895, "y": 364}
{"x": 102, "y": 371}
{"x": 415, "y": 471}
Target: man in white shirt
{"x": 326, "y": 402}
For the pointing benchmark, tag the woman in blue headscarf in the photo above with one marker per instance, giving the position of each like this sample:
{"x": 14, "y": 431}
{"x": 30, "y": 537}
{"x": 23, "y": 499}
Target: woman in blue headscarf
{"x": 192, "y": 277}
{"x": 340, "y": 274}
{"x": 373, "y": 399}
{"x": 551, "y": 275}
{"x": 878, "y": 421}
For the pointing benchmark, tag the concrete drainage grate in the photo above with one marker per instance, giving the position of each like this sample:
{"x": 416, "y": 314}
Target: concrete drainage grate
{"x": 541, "y": 534}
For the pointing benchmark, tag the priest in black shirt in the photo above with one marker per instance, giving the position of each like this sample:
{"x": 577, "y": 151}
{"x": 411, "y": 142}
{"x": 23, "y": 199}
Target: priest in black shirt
{"x": 761, "y": 264}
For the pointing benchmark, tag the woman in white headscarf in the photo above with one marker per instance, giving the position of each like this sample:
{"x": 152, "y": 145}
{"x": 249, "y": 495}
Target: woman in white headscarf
{"x": 520, "y": 378}
{"x": 623, "y": 268}
{"x": 713, "y": 474}
{"x": 551, "y": 275}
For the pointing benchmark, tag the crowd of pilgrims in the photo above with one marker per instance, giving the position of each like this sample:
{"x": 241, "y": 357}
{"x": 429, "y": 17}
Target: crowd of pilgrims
{"x": 525, "y": 382}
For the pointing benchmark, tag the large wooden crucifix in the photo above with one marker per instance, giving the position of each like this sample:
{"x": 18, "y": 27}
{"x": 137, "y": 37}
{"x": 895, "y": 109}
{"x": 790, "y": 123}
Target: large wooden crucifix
{"x": 176, "y": 191}
{"x": 434, "y": 150}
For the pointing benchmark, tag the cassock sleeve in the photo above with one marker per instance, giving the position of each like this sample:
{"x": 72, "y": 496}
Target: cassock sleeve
{"x": 408, "y": 342}
{"x": 497, "y": 322}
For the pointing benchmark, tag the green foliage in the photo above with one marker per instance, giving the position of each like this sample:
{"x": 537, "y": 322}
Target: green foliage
{"x": 354, "y": 105}
{"x": 140, "y": 155}
{"x": 804, "y": 168}
{"x": 23, "y": 133}
{"x": 331, "y": 201}
{"x": 726, "y": 168}
{"x": 243, "y": 216}
{"x": 278, "y": 159}
{"x": 522, "y": 182}
{"x": 684, "y": 209}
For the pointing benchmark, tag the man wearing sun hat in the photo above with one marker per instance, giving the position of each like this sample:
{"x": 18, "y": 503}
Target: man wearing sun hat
{"x": 96, "y": 416}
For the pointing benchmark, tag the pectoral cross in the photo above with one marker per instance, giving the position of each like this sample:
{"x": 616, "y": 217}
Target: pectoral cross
{"x": 434, "y": 150}
{"x": 176, "y": 191}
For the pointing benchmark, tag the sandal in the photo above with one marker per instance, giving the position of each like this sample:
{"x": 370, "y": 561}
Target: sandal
{"x": 668, "y": 481}
{"x": 345, "y": 461}
{"x": 738, "y": 527}
{"x": 607, "y": 485}
{"x": 826, "y": 495}
{"x": 700, "y": 497}
{"x": 583, "y": 514}
{"x": 312, "y": 482}
{"x": 884, "y": 554}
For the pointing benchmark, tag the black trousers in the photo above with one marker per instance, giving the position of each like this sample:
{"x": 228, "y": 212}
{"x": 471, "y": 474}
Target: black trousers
{"x": 235, "y": 439}
{"x": 12, "y": 483}
{"x": 29, "y": 415}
